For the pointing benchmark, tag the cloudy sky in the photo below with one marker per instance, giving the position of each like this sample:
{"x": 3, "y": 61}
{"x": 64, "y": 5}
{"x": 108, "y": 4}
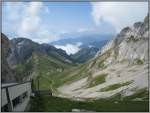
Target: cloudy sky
{"x": 44, "y": 22}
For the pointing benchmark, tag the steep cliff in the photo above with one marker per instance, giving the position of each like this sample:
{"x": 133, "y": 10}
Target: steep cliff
{"x": 7, "y": 74}
{"x": 130, "y": 45}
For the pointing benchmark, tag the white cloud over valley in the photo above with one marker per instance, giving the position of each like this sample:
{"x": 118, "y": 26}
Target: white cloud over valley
{"x": 70, "y": 48}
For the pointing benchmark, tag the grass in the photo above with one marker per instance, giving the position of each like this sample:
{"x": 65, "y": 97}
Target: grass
{"x": 47, "y": 69}
{"x": 115, "y": 86}
{"x": 57, "y": 104}
{"x": 139, "y": 61}
{"x": 97, "y": 80}
{"x": 132, "y": 39}
{"x": 142, "y": 94}
{"x": 101, "y": 65}
{"x": 23, "y": 70}
{"x": 74, "y": 74}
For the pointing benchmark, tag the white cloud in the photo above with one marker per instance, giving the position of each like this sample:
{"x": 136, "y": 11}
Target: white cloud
{"x": 31, "y": 20}
{"x": 25, "y": 20}
{"x": 86, "y": 29}
{"x": 70, "y": 48}
{"x": 119, "y": 14}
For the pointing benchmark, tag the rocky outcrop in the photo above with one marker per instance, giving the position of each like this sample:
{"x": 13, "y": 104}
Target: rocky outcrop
{"x": 21, "y": 50}
{"x": 8, "y": 74}
{"x": 130, "y": 44}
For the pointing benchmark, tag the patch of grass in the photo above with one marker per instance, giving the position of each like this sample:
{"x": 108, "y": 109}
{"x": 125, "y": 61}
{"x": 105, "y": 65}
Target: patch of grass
{"x": 101, "y": 65}
{"x": 74, "y": 75}
{"x": 93, "y": 62}
{"x": 97, "y": 80}
{"x": 115, "y": 86}
{"x": 139, "y": 61}
{"x": 142, "y": 94}
{"x": 57, "y": 104}
{"x": 23, "y": 70}
{"x": 132, "y": 39}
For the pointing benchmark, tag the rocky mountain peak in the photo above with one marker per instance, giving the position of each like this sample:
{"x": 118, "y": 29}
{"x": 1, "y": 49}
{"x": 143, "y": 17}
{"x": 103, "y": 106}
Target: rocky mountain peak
{"x": 128, "y": 45}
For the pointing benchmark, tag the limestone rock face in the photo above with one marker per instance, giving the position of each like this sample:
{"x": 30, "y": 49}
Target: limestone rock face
{"x": 22, "y": 49}
{"x": 130, "y": 44}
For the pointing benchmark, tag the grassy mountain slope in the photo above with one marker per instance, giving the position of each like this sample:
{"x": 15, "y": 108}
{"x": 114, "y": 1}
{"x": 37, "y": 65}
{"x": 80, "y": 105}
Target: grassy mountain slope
{"x": 43, "y": 68}
{"x": 46, "y": 69}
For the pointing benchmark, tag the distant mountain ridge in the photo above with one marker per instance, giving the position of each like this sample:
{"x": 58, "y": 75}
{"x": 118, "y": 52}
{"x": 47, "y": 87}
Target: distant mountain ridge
{"x": 89, "y": 45}
{"x": 23, "y": 48}
{"x": 84, "y": 54}
{"x": 86, "y": 40}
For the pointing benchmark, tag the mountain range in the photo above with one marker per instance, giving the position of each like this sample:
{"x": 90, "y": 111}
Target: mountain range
{"x": 96, "y": 40}
{"x": 119, "y": 68}
{"x": 87, "y": 45}
{"x": 23, "y": 48}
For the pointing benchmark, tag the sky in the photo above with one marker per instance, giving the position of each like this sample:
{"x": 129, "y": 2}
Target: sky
{"x": 45, "y": 22}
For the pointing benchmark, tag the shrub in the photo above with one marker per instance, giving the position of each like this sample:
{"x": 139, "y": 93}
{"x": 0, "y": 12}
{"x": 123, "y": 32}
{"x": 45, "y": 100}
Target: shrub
{"x": 101, "y": 65}
{"x": 139, "y": 61}
{"x": 132, "y": 39}
{"x": 97, "y": 80}
{"x": 115, "y": 86}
